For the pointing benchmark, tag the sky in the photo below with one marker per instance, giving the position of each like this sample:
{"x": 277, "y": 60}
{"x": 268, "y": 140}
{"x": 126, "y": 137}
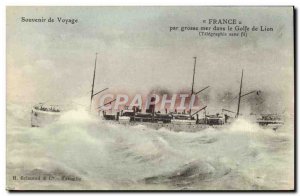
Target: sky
{"x": 137, "y": 53}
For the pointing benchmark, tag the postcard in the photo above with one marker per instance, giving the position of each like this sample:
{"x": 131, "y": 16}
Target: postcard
{"x": 157, "y": 98}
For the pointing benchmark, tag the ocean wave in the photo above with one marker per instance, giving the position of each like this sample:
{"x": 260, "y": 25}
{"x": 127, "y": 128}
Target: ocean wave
{"x": 112, "y": 156}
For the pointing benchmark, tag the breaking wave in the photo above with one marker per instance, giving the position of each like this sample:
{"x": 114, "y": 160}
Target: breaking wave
{"x": 112, "y": 156}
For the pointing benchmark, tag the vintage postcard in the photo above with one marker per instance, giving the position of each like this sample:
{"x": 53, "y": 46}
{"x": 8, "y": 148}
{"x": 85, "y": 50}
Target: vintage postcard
{"x": 150, "y": 98}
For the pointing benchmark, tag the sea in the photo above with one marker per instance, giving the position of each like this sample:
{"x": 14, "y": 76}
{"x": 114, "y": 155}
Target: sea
{"x": 82, "y": 152}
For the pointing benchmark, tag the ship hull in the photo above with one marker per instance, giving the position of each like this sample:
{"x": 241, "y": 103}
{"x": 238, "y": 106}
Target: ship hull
{"x": 42, "y": 118}
{"x": 170, "y": 126}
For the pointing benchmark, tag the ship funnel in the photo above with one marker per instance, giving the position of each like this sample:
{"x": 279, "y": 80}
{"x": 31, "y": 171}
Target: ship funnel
{"x": 151, "y": 108}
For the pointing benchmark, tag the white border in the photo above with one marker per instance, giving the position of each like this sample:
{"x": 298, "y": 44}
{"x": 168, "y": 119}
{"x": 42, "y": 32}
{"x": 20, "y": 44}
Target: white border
{"x": 5, "y": 3}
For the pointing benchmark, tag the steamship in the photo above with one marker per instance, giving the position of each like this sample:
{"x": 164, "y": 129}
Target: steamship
{"x": 179, "y": 121}
{"x": 175, "y": 121}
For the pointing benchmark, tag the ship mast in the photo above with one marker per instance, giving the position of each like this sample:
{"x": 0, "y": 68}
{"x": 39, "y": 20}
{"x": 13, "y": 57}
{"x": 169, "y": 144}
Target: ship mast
{"x": 240, "y": 95}
{"x": 192, "y": 92}
{"x": 92, "y": 92}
